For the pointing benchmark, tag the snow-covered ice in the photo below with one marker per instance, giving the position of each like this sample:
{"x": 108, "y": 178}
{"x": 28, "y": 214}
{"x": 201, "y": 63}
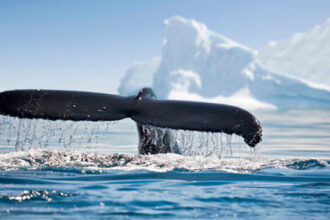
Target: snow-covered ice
{"x": 201, "y": 65}
{"x": 304, "y": 55}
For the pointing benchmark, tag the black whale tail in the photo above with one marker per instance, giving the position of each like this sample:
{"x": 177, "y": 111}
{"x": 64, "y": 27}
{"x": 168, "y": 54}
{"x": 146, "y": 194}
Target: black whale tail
{"x": 144, "y": 109}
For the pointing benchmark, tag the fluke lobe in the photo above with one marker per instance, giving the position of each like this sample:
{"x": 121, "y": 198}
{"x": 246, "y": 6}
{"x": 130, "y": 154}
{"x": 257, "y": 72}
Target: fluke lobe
{"x": 149, "y": 114}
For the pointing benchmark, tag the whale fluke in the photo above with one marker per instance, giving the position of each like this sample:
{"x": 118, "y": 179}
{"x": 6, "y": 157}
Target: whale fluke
{"x": 65, "y": 105}
{"x": 143, "y": 109}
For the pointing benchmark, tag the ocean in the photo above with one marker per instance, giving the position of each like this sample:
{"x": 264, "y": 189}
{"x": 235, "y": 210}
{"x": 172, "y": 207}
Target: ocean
{"x": 80, "y": 170}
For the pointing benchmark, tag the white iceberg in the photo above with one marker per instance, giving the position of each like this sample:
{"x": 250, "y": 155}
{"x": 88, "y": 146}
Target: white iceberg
{"x": 304, "y": 55}
{"x": 198, "y": 64}
{"x": 137, "y": 76}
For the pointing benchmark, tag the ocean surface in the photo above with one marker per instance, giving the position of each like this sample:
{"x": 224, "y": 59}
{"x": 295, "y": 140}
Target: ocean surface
{"x": 80, "y": 170}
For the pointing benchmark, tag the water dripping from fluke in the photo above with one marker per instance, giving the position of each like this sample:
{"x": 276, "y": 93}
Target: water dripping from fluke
{"x": 197, "y": 143}
{"x": 26, "y": 134}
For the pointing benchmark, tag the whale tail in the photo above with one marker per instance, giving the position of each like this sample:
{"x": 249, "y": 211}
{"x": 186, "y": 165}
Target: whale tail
{"x": 143, "y": 109}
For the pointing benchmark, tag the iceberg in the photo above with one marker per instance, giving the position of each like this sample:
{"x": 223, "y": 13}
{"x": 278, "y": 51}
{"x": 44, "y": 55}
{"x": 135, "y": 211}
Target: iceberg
{"x": 200, "y": 65}
{"x": 139, "y": 75}
{"x": 304, "y": 55}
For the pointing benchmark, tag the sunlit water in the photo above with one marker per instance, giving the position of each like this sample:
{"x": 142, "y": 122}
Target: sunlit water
{"x": 92, "y": 170}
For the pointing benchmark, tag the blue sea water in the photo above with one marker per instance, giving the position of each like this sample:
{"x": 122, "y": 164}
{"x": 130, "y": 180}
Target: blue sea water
{"x": 91, "y": 170}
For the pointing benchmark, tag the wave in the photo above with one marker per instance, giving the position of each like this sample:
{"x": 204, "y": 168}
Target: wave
{"x": 159, "y": 163}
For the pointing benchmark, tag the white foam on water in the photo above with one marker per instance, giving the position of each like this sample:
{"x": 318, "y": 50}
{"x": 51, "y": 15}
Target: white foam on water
{"x": 159, "y": 162}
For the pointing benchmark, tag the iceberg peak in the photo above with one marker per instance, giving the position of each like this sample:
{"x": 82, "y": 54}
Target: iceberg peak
{"x": 189, "y": 45}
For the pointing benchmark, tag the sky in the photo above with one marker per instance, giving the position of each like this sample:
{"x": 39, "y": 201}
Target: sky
{"x": 88, "y": 45}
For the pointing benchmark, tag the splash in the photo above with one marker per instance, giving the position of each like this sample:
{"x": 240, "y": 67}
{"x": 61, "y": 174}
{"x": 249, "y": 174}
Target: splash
{"x": 159, "y": 162}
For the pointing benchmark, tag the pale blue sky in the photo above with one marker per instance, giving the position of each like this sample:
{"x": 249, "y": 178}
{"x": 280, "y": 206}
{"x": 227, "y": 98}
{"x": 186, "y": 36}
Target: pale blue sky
{"x": 88, "y": 45}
